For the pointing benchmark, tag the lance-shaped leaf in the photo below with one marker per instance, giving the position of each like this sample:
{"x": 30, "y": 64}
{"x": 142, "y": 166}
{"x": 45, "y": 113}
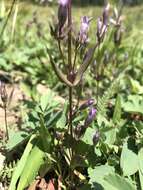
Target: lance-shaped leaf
{"x": 34, "y": 161}
{"x": 21, "y": 164}
{"x": 86, "y": 62}
{"x": 59, "y": 73}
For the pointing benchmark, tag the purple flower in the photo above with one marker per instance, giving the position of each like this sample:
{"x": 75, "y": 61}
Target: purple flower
{"x": 62, "y": 14}
{"x": 102, "y": 24}
{"x": 90, "y": 117}
{"x": 84, "y": 28}
{"x": 84, "y": 24}
{"x": 63, "y": 2}
{"x": 106, "y": 14}
{"x": 86, "y": 104}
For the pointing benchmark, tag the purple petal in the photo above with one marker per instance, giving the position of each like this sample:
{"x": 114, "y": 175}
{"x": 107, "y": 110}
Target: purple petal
{"x": 63, "y": 2}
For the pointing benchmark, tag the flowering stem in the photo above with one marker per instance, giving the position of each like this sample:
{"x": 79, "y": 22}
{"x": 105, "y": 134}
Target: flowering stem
{"x": 61, "y": 53}
{"x": 75, "y": 56}
{"x": 70, "y": 66}
{"x": 69, "y": 35}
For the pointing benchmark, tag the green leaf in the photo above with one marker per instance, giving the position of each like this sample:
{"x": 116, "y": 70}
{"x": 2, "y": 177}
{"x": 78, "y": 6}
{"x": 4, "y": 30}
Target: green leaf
{"x": 141, "y": 179}
{"x": 34, "y": 161}
{"x": 21, "y": 164}
{"x": 15, "y": 138}
{"x": 45, "y": 100}
{"x": 117, "y": 110}
{"x": 62, "y": 121}
{"x": 135, "y": 86}
{"x": 134, "y": 104}
{"x": 110, "y": 136}
{"x": 45, "y": 135}
{"x": 87, "y": 138}
{"x": 97, "y": 175}
{"x": 118, "y": 182}
{"x": 129, "y": 160}
{"x": 140, "y": 157}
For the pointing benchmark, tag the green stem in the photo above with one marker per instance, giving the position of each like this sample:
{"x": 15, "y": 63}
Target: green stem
{"x": 10, "y": 12}
{"x": 6, "y": 125}
{"x": 70, "y": 66}
{"x": 61, "y": 53}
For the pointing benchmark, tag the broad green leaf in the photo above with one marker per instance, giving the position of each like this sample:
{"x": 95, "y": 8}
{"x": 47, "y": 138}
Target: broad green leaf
{"x": 118, "y": 182}
{"x": 97, "y": 175}
{"x": 100, "y": 171}
{"x": 87, "y": 138}
{"x": 135, "y": 86}
{"x": 129, "y": 160}
{"x": 117, "y": 110}
{"x": 45, "y": 100}
{"x": 134, "y": 104}
{"x": 21, "y": 164}
{"x": 15, "y": 138}
{"x": 110, "y": 136}
{"x": 34, "y": 161}
{"x": 140, "y": 157}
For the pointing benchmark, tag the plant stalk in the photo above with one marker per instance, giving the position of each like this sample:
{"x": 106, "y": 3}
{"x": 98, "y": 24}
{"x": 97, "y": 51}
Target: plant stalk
{"x": 70, "y": 65}
{"x": 6, "y": 125}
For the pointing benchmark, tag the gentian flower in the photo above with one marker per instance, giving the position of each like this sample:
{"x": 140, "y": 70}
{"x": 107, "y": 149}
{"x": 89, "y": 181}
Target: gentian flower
{"x": 84, "y": 28}
{"x": 62, "y": 14}
{"x": 90, "y": 117}
{"x": 86, "y": 104}
{"x": 117, "y": 22}
{"x": 63, "y": 3}
{"x": 102, "y": 24}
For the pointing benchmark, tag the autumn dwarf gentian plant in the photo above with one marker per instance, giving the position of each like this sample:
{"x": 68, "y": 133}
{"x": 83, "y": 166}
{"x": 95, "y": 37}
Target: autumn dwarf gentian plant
{"x": 70, "y": 45}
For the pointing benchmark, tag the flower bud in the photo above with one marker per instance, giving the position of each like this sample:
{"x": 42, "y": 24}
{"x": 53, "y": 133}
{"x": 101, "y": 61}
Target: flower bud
{"x": 106, "y": 14}
{"x": 79, "y": 131}
{"x": 3, "y": 93}
{"x": 118, "y": 36}
{"x": 62, "y": 17}
{"x": 99, "y": 26}
{"x": 101, "y": 29}
{"x": 84, "y": 28}
{"x": 86, "y": 104}
{"x": 63, "y": 3}
{"x": 90, "y": 117}
{"x": 96, "y": 138}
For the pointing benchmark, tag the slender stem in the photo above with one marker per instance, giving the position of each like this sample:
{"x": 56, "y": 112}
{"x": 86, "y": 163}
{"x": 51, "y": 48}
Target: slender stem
{"x": 75, "y": 56}
{"x": 61, "y": 52}
{"x": 97, "y": 78}
{"x": 70, "y": 111}
{"x": 6, "y": 125}
{"x": 69, "y": 36}
{"x": 70, "y": 66}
